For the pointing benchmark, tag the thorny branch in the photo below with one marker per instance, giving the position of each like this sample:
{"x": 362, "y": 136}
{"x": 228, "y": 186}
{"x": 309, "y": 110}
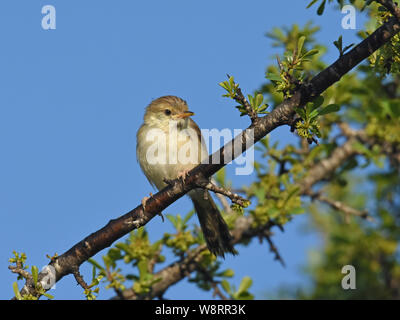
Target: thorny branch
{"x": 235, "y": 198}
{"x": 79, "y": 279}
{"x": 272, "y": 247}
{"x": 20, "y": 271}
{"x": 239, "y": 97}
{"x": 337, "y": 205}
{"x": 282, "y": 115}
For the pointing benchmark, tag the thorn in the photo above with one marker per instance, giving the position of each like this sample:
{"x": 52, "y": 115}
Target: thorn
{"x": 162, "y": 216}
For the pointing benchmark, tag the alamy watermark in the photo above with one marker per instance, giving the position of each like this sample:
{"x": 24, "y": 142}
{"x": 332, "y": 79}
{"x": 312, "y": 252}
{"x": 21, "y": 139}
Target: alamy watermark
{"x": 349, "y": 20}
{"x": 182, "y": 146}
{"x": 49, "y": 18}
{"x": 349, "y": 280}
{"x": 49, "y": 279}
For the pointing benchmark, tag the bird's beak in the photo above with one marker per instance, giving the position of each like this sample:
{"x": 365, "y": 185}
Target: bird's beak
{"x": 185, "y": 114}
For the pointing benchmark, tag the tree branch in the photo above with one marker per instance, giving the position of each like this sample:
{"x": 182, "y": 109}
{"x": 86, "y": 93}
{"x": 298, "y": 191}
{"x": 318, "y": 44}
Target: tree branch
{"x": 79, "y": 279}
{"x": 239, "y": 97}
{"x": 282, "y": 115}
{"x": 273, "y": 248}
{"x": 235, "y": 198}
{"x": 337, "y": 205}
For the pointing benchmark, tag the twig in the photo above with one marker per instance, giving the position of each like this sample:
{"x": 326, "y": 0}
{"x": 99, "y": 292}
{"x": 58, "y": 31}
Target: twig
{"x": 273, "y": 248}
{"x": 392, "y": 7}
{"x": 213, "y": 283}
{"x": 235, "y": 198}
{"x": 225, "y": 205}
{"x": 19, "y": 270}
{"x": 320, "y": 169}
{"x": 239, "y": 97}
{"x": 392, "y": 150}
{"x": 79, "y": 279}
{"x": 153, "y": 260}
{"x": 337, "y": 205}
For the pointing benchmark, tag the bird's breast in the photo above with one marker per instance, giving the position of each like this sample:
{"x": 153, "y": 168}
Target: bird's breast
{"x": 167, "y": 153}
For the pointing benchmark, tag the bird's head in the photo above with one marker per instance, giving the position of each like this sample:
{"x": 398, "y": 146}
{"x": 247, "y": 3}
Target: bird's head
{"x": 161, "y": 111}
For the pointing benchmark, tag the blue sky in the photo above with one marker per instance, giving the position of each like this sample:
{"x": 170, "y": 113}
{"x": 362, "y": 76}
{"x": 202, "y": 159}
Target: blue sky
{"x": 72, "y": 99}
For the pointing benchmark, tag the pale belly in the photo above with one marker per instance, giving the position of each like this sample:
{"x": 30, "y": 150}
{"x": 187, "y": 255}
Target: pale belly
{"x": 167, "y": 158}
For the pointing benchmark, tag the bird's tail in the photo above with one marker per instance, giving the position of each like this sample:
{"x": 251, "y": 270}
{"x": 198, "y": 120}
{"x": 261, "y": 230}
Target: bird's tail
{"x": 215, "y": 229}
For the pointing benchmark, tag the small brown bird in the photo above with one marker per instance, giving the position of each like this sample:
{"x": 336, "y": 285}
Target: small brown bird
{"x": 169, "y": 144}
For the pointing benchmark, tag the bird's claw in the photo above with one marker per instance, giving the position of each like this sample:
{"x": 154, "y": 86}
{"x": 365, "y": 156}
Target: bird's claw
{"x": 144, "y": 200}
{"x": 183, "y": 174}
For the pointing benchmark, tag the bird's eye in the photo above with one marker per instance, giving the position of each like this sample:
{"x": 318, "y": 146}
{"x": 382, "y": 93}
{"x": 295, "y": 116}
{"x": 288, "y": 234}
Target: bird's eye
{"x": 167, "y": 112}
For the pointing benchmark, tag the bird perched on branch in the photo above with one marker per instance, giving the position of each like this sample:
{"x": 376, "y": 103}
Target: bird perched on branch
{"x": 169, "y": 144}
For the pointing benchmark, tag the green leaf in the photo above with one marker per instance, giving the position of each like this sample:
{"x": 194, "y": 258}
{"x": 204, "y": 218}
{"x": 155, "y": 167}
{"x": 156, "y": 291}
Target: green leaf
{"x": 273, "y": 76}
{"x": 231, "y": 81}
{"x": 313, "y": 114}
{"x": 114, "y": 254}
{"x": 329, "y": 109}
{"x": 310, "y": 53}
{"x": 188, "y": 216}
{"x": 339, "y": 44}
{"x": 311, "y": 3}
{"x": 311, "y": 107}
{"x": 48, "y": 296}
{"x": 173, "y": 219}
{"x": 35, "y": 273}
{"x": 259, "y": 99}
{"x": 395, "y": 108}
{"x": 318, "y": 101}
{"x": 227, "y": 273}
{"x": 95, "y": 263}
{"x": 301, "y": 112}
{"x": 245, "y": 296}
{"x": 245, "y": 284}
{"x": 16, "y": 291}
{"x": 361, "y": 148}
{"x": 321, "y": 8}
{"x": 142, "y": 266}
{"x": 292, "y": 193}
{"x": 94, "y": 272}
{"x": 107, "y": 261}
{"x": 263, "y": 108}
{"x": 224, "y": 85}
{"x": 298, "y": 210}
{"x": 226, "y": 286}
{"x": 221, "y": 176}
{"x": 300, "y": 44}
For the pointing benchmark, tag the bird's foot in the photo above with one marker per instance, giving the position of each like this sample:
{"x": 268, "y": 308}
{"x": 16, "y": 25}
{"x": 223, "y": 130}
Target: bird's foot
{"x": 183, "y": 174}
{"x": 144, "y": 200}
